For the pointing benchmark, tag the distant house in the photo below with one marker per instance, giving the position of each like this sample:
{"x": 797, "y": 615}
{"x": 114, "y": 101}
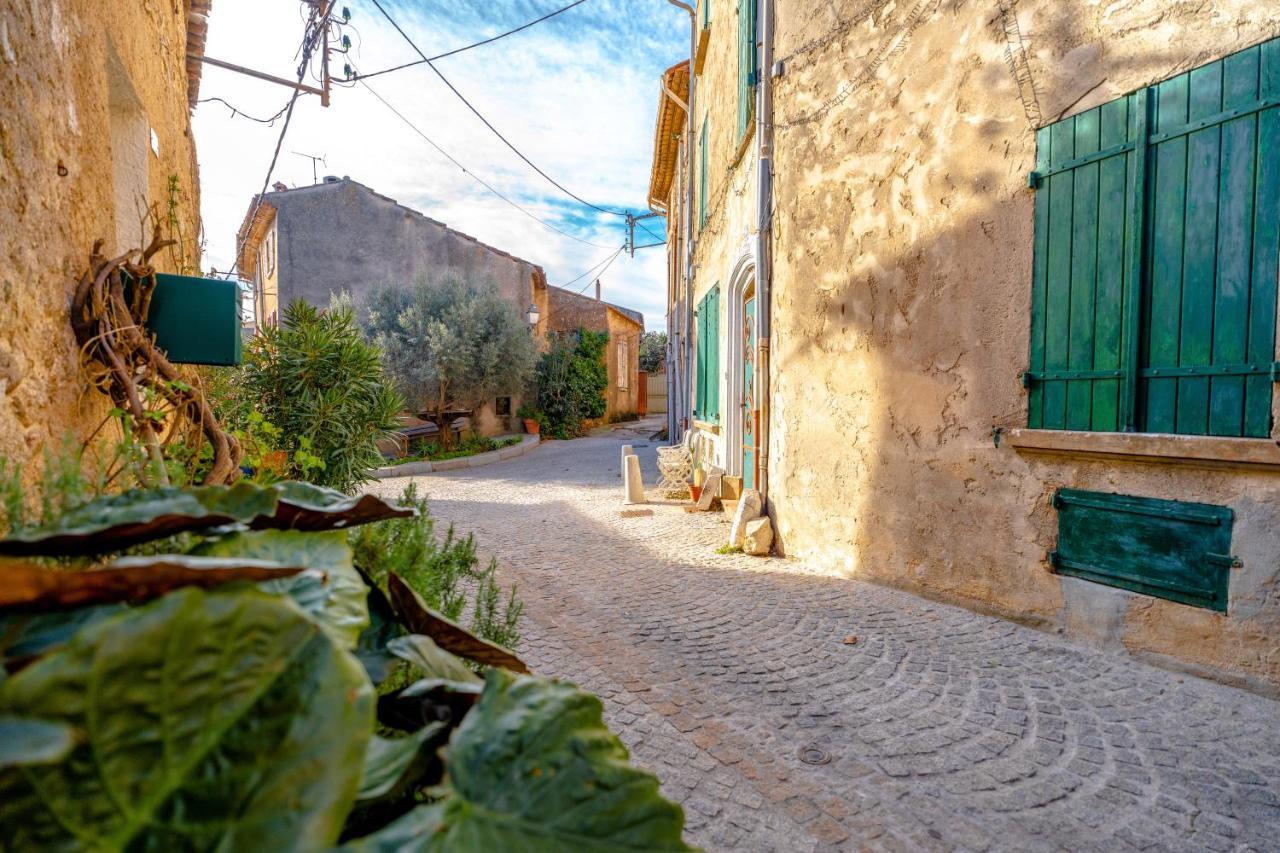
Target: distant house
{"x": 571, "y": 311}
{"x": 339, "y": 236}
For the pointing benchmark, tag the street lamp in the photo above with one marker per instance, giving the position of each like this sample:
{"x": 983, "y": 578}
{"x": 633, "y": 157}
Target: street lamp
{"x": 532, "y": 315}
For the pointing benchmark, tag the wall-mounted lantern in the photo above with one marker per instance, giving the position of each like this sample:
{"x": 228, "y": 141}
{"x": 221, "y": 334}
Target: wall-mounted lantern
{"x": 532, "y": 315}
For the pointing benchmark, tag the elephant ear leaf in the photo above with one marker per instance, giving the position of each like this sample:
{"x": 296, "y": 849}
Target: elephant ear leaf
{"x": 336, "y": 601}
{"x": 305, "y": 506}
{"x": 213, "y": 720}
{"x": 448, "y": 635}
{"x": 119, "y": 521}
{"x": 25, "y": 741}
{"x": 132, "y": 579}
{"x": 532, "y": 767}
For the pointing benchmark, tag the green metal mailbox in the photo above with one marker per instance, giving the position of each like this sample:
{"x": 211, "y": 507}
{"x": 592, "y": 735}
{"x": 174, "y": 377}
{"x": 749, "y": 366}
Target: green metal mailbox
{"x": 196, "y": 320}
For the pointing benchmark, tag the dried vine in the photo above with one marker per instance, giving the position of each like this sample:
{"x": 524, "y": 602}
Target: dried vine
{"x": 109, "y": 319}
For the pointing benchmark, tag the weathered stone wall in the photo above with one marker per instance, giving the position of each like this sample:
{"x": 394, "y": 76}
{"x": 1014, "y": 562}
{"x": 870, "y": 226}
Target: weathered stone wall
{"x": 903, "y": 244}
{"x": 621, "y": 328}
{"x": 72, "y": 73}
{"x": 726, "y": 242}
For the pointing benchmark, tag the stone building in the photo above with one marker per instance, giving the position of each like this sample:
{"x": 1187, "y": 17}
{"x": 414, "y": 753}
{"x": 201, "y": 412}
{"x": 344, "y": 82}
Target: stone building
{"x": 571, "y": 311}
{"x": 1016, "y": 333}
{"x": 96, "y": 109}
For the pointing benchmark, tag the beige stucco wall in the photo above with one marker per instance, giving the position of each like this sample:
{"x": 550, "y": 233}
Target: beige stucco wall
{"x": 59, "y": 188}
{"x": 623, "y": 400}
{"x": 725, "y": 244}
{"x": 903, "y": 249}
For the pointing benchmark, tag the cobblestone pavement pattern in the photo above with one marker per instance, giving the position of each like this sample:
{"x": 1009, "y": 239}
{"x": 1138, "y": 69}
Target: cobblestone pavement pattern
{"x": 939, "y": 729}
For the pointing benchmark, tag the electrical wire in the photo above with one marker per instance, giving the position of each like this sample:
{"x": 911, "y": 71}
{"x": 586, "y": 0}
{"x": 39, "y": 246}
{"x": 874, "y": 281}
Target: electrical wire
{"x": 593, "y": 268}
{"x": 473, "y": 175}
{"x": 608, "y": 264}
{"x": 237, "y": 112}
{"x": 309, "y": 39}
{"x": 487, "y": 123}
{"x": 470, "y": 46}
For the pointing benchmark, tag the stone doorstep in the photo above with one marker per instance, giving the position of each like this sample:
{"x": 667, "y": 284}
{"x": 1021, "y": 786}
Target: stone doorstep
{"x": 413, "y": 469}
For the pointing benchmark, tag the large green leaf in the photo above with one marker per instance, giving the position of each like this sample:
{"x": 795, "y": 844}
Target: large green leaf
{"x": 119, "y": 521}
{"x": 390, "y": 763}
{"x": 342, "y": 610}
{"x": 434, "y": 661}
{"x": 132, "y": 579}
{"x": 533, "y": 768}
{"x": 371, "y": 648}
{"x": 25, "y": 741}
{"x": 304, "y": 506}
{"x": 213, "y": 720}
{"x": 449, "y": 635}
{"x": 26, "y": 636}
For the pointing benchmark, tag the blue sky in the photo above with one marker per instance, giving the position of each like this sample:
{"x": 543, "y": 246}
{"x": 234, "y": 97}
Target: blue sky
{"x": 577, "y": 94}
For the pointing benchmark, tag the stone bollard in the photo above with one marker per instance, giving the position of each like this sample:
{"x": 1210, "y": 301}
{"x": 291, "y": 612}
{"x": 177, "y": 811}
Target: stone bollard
{"x": 632, "y": 482}
{"x": 626, "y": 451}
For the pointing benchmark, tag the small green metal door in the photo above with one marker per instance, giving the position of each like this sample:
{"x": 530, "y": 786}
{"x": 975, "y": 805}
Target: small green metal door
{"x": 749, "y": 413}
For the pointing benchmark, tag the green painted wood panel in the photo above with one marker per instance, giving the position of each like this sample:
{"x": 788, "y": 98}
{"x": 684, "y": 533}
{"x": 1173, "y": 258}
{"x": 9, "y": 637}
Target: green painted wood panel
{"x": 1266, "y": 246}
{"x": 1154, "y": 278}
{"x": 1167, "y": 209}
{"x": 1167, "y": 549}
{"x": 1039, "y": 285}
{"x": 713, "y": 355}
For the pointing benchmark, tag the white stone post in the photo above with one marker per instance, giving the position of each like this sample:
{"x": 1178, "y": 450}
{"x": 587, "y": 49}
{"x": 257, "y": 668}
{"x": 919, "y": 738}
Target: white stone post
{"x": 632, "y": 482}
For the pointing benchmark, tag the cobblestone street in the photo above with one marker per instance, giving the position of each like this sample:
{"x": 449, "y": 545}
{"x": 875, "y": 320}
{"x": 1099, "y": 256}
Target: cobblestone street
{"x": 939, "y": 729}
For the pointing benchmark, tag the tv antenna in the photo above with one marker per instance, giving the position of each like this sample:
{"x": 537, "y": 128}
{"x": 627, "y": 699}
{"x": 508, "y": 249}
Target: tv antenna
{"x": 315, "y": 177}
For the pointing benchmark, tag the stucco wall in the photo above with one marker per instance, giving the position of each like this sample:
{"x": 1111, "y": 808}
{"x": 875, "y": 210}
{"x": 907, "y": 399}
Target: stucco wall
{"x": 903, "y": 250}
{"x": 58, "y": 185}
{"x": 344, "y": 236}
{"x": 571, "y": 311}
{"x": 726, "y": 242}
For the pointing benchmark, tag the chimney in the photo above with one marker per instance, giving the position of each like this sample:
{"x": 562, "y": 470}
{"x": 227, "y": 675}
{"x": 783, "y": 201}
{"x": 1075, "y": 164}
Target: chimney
{"x": 279, "y": 186}
{"x": 597, "y": 290}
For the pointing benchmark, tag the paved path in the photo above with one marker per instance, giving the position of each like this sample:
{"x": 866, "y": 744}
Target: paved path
{"x": 938, "y": 730}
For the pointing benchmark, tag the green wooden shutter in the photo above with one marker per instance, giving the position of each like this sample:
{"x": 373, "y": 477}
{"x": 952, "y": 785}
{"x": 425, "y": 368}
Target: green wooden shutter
{"x": 1157, "y": 221}
{"x": 712, "y": 412}
{"x": 700, "y": 362}
{"x": 746, "y": 63}
{"x": 702, "y": 175}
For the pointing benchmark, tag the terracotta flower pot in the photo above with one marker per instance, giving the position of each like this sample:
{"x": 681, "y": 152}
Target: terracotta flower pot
{"x": 531, "y": 426}
{"x": 695, "y": 492}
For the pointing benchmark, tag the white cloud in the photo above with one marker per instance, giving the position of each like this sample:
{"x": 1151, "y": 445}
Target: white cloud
{"x": 577, "y": 95}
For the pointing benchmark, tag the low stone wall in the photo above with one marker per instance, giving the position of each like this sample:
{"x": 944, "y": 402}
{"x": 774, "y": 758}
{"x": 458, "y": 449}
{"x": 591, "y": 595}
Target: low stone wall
{"x": 426, "y": 466}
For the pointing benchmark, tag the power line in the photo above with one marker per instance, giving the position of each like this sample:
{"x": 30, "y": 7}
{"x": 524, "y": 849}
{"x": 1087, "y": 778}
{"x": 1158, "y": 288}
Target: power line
{"x": 592, "y": 269}
{"x": 606, "y": 268}
{"x": 309, "y": 39}
{"x": 486, "y": 122}
{"x": 236, "y": 111}
{"x": 470, "y": 46}
{"x": 473, "y": 175}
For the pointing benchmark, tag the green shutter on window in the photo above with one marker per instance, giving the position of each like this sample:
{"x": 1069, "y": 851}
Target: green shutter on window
{"x": 1157, "y": 222}
{"x": 746, "y": 63}
{"x": 707, "y": 364}
{"x": 702, "y": 175}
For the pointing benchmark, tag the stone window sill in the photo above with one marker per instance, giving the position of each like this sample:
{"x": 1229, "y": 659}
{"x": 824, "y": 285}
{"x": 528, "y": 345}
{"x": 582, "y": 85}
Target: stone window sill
{"x": 707, "y": 426}
{"x": 1157, "y": 448}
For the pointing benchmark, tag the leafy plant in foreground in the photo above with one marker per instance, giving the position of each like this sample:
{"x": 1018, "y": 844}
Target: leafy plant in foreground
{"x": 242, "y": 716}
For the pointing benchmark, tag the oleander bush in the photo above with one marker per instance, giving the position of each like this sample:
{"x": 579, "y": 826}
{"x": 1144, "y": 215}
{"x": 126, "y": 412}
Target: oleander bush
{"x": 225, "y": 695}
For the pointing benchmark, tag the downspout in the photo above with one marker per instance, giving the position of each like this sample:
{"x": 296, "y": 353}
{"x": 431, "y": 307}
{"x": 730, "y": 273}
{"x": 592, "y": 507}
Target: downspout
{"x": 764, "y": 210}
{"x": 684, "y": 315}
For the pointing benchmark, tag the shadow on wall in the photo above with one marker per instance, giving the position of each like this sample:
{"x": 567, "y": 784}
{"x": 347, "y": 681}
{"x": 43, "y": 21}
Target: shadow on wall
{"x": 902, "y": 311}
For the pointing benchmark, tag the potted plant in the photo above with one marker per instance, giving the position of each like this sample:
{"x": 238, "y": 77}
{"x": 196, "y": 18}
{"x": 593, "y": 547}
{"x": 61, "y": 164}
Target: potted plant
{"x": 532, "y": 417}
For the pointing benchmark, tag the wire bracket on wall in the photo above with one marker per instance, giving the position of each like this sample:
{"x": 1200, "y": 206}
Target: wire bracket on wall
{"x": 1019, "y": 62}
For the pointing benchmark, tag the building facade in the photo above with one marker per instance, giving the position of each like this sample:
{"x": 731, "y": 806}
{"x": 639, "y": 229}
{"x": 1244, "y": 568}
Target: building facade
{"x": 96, "y": 132}
{"x": 1017, "y": 344}
{"x": 571, "y": 311}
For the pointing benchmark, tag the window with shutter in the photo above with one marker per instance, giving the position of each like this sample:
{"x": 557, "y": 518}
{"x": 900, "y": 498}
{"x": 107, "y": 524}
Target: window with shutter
{"x": 746, "y": 64}
{"x": 1157, "y": 238}
{"x": 707, "y": 392}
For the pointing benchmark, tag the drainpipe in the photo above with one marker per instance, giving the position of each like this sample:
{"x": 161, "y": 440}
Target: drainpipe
{"x": 684, "y": 315}
{"x": 764, "y": 210}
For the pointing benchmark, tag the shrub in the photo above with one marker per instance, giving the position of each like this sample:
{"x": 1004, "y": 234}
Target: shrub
{"x": 450, "y": 346}
{"x": 316, "y": 380}
{"x": 572, "y": 378}
{"x": 442, "y": 572}
{"x": 653, "y": 352}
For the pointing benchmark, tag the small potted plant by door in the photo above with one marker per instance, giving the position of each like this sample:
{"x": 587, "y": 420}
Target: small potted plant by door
{"x": 532, "y": 418}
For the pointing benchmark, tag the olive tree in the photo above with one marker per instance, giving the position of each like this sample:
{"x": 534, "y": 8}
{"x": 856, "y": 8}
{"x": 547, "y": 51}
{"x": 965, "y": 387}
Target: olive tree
{"x": 450, "y": 346}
